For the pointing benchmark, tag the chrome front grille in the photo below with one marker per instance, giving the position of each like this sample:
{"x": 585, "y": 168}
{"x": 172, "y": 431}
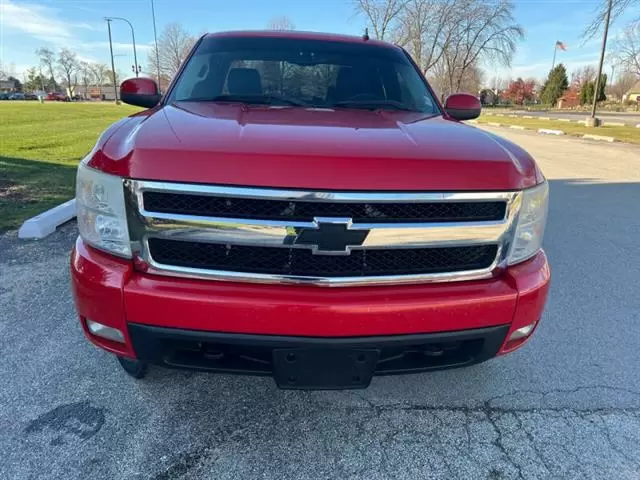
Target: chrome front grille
{"x": 305, "y": 211}
{"x": 319, "y": 238}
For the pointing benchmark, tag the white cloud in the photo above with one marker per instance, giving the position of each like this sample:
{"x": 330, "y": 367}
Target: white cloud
{"x": 87, "y": 59}
{"x": 88, "y": 46}
{"x": 39, "y": 22}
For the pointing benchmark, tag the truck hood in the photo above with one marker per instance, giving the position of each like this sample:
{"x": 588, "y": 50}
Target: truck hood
{"x": 329, "y": 149}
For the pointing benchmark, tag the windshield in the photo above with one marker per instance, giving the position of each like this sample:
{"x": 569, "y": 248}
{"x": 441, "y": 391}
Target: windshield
{"x": 307, "y": 73}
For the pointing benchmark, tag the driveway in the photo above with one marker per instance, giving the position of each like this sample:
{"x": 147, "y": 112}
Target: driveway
{"x": 567, "y": 405}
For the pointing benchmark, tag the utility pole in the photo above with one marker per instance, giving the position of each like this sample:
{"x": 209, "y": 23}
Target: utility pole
{"x": 41, "y": 79}
{"x": 113, "y": 66}
{"x": 133, "y": 38}
{"x": 593, "y": 121}
{"x": 613, "y": 69}
{"x": 155, "y": 38}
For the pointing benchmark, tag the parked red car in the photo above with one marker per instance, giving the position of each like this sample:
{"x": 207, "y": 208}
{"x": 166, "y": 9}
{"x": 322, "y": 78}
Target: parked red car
{"x": 57, "y": 97}
{"x": 301, "y": 206}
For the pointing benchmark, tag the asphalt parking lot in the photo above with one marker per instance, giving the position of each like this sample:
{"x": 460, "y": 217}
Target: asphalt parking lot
{"x": 567, "y": 405}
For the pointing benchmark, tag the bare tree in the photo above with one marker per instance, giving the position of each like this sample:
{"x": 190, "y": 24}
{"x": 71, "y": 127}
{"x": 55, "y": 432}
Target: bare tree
{"x": 109, "y": 76}
{"x": 582, "y": 76}
{"x": 425, "y": 29}
{"x": 7, "y": 70}
{"x": 68, "y": 65}
{"x": 487, "y": 31}
{"x": 618, "y": 8}
{"x": 628, "y": 49}
{"x": 86, "y": 75}
{"x": 468, "y": 80}
{"x": 174, "y": 45}
{"x": 471, "y": 80}
{"x": 380, "y": 14}
{"x": 624, "y": 82}
{"x": 282, "y": 23}
{"x": 48, "y": 60}
{"x": 453, "y": 37}
{"x": 498, "y": 83}
{"x": 438, "y": 77}
{"x": 99, "y": 72}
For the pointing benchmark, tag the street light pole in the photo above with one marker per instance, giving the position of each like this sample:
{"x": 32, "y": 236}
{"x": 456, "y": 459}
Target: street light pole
{"x": 593, "y": 121}
{"x": 133, "y": 38}
{"x": 113, "y": 66}
{"x": 155, "y": 38}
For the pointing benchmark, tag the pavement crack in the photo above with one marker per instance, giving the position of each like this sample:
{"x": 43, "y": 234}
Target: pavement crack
{"x": 534, "y": 446}
{"x": 604, "y": 428}
{"x": 498, "y": 443}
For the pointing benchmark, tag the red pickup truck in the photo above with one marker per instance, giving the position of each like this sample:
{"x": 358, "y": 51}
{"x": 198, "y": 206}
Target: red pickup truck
{"x": 302, "y": 206}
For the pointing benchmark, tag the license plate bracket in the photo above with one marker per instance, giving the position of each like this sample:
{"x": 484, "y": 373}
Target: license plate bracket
{"x": 324, "y": 369}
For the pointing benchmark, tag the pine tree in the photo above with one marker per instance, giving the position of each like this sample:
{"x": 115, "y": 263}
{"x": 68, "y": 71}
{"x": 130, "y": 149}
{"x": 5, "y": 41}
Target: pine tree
{"x": 555, "y": 85}
{"x": 586, "y": 94}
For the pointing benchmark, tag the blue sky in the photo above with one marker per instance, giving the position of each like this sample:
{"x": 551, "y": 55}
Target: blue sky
{"x": 29, "y": 24}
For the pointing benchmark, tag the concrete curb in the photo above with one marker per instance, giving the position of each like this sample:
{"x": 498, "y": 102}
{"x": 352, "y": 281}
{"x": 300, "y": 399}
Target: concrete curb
{"x": 544, "y": 118}
{"x": 46, "y": 223}
{"x": 564, "y": 120}
{"x": 547, "y": 131}
{"x": 614, "y": 124}
{"x": 600, "y": 138}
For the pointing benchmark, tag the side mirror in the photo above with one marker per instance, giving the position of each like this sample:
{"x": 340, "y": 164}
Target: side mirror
{"x": 463, "y": 106}
{"x": 141, "y": 92}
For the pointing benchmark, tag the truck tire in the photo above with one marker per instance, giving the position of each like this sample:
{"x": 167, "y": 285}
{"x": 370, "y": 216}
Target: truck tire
{"x": 134, "y": 368}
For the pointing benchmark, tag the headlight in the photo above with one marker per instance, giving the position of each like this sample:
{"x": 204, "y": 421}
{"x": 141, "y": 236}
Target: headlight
{"x": 102, "y": 220}
{"x": 531, "y": 222}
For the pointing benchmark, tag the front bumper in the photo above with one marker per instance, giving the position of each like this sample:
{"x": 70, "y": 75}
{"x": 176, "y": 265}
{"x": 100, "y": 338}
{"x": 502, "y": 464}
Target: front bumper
{"x": 258, "y": 354}
{"x": 156, "y": 314}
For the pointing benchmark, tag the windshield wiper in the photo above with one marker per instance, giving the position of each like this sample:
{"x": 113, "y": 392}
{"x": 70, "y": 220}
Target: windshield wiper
{"x": 250, "y": 100}
{"x": 373, "y": 105}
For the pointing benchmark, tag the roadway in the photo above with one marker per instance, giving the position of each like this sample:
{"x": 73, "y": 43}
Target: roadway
{"x": 567, "y": 405}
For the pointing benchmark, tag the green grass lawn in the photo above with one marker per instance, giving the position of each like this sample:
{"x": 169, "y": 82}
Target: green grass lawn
{"x": 624, "y": 134}
{"x": 40, "y": 147}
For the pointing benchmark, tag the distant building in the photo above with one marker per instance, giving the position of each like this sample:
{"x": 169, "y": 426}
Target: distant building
{"x": 489, "y": 97}
{"x": 570, "y": 98}
{"x": 8, "y": 85}
{"x": 633, "y": 94}
{"x": 97, "y": 93}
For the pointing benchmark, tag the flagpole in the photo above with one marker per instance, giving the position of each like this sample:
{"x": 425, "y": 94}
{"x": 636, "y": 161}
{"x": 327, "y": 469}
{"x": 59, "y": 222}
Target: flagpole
{"x": 555, "y": 50}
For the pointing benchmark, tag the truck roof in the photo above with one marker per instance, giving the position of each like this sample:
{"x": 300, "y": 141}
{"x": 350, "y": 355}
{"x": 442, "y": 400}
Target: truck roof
{"x": 301, "y": 35}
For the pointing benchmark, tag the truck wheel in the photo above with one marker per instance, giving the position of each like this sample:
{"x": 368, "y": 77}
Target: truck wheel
{"x": 134, "y": 368}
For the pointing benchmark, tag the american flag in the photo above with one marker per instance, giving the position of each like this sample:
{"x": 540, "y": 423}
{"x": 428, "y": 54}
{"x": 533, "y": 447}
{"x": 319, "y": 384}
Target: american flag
{"x": 561, "y": 45}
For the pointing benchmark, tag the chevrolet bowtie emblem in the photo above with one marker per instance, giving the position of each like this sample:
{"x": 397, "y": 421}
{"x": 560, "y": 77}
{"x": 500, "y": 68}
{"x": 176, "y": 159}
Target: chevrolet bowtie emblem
{"x": 331, "y": 237}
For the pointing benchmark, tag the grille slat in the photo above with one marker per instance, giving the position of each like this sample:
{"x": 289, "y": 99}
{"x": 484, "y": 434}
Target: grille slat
{"x": 302, "y": 262}
{"x": 296, "y": 210}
